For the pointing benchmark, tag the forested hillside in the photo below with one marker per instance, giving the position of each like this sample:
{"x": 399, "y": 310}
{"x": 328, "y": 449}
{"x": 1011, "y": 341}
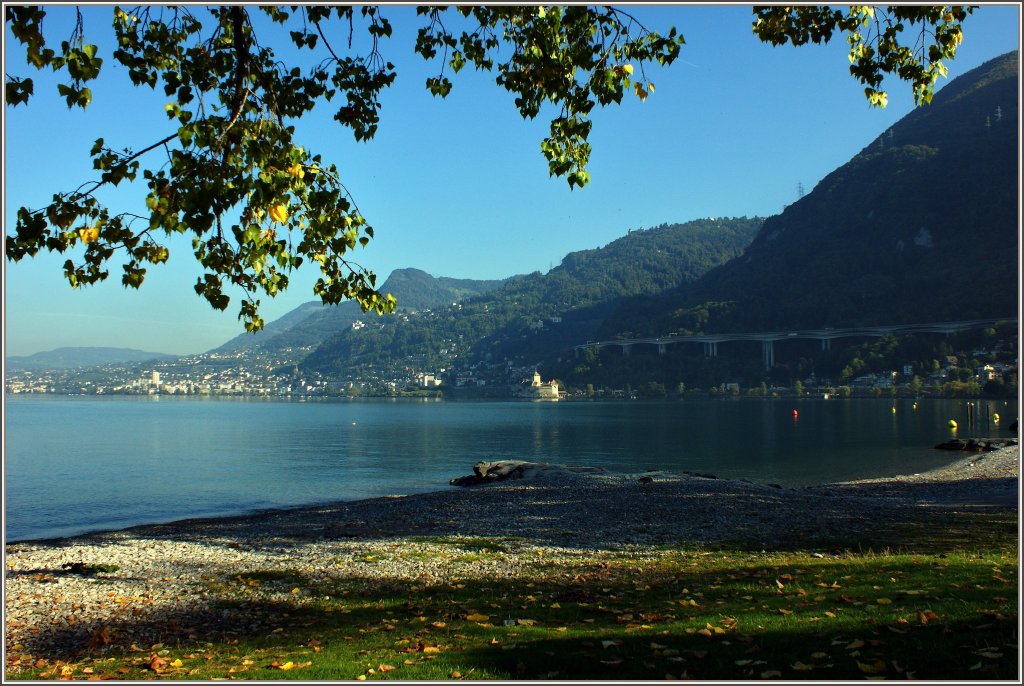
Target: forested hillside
{"x": 312, "y": 323}
{"x": 521, "y": 319}
{"x": 920, "y": 226}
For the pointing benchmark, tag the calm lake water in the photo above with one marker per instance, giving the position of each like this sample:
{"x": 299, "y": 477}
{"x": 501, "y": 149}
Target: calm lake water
{"x": 74, "y": 465}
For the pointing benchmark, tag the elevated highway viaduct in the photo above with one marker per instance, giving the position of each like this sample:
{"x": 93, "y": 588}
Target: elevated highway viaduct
{"x": 768, "y": 338}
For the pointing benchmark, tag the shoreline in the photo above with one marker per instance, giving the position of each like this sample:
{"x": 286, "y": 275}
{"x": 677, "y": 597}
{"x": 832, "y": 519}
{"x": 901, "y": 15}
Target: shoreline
{"x": 978, "y": 479}
{"x": 948, "y": 484}
{"x": 145, "y": 578}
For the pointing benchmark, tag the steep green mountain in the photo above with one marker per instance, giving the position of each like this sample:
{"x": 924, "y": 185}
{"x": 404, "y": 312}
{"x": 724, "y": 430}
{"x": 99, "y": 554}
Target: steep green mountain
{"x": 69, "y": 358}
{"x": 920, "y": 226}
{"x": 536, "y": 316}
{"x": 313, "y": 322}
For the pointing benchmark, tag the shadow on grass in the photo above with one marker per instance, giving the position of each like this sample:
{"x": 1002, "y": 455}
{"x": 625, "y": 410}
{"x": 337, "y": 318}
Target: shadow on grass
{"x": 685, "y": 613}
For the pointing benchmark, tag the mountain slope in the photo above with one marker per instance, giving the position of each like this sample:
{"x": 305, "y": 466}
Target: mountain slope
{"x": 521, "y": 319}
{"x": 920, "y": 226}
{"x": 69, "y": 358}
{"x": 313, "y": 322}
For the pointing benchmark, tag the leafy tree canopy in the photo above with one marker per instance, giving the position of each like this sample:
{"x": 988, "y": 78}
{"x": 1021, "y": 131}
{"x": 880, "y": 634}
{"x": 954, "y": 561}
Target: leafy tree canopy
{"x": 258, "y": 205}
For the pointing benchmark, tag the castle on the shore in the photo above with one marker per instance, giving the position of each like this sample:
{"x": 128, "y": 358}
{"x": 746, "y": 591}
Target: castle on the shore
{"x": 539, "y": 390}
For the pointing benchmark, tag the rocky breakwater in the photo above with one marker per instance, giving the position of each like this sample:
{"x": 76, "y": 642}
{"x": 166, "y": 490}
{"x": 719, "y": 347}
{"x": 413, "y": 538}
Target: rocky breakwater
{"x": 502, "y": 470}
{"x": 977, "y": 445}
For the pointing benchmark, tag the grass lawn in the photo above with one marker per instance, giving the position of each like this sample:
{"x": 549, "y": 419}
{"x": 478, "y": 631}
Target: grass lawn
{"x": 944, "y": 607}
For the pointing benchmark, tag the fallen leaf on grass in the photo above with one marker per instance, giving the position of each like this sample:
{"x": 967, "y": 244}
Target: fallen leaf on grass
{"x": 771, "y": 674}
{"x": 477, "y": 617}
{"x": 801, "y": 667}
{"x": 876, "y": 667}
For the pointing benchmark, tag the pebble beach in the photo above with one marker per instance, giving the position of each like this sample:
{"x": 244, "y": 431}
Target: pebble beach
{"x": 169, "y": 571}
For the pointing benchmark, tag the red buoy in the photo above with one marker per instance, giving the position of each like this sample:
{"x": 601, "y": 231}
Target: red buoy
{"x": 795, "y": 414}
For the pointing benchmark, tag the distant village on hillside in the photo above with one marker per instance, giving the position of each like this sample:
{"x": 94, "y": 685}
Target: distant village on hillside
{"x": 245, "y": 373}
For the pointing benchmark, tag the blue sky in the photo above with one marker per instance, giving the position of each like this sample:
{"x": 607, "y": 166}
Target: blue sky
{"x": 458, "y": 187}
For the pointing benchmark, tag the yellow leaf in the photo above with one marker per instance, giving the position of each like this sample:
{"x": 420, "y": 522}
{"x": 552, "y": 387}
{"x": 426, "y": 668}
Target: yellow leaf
{"x": 884, "y": 601}
{"x": 296, "y": 171}
{"x": 279, "y": 213}
{"x": 361, "y": 677}
{"x": 784, "y": 611}
{"x": 386, "y": 668}
{"x": 287, "y": 665}
{"x": 88, "y": 234}
{"x": 526, "y": 622}
{"x": 628, "y": 68}
{"x": 876, "y": 667}
{"x": 477, "y": 617}
{"x": 176, "y": 663}
{"x": 296, "y": 590}
{"x": 830, "y": 615}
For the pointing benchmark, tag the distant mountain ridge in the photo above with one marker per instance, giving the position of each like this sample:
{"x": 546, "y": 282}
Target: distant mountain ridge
{"x": 920, "y": 226}
{"x": 313, "y": 322}
{"x": 71, "y": 357}
{"x": 535, "y": 315}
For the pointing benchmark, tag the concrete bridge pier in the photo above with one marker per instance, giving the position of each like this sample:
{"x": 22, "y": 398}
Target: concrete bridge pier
{"x": 661, "y": 348}
{"x": 826, "y": 343}
{"x": 625, "y": 349}
{"x": 768, "y": 354}
{"x": 711, "y": 349}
